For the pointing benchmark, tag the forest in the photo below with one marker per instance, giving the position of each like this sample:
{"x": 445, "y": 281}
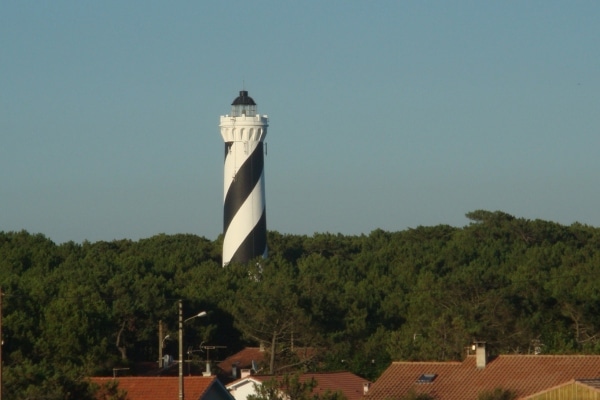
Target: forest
{"x": 75, "y": 310}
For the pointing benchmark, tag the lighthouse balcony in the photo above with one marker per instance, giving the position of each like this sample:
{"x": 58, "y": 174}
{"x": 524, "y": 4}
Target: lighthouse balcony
{"x": 251, "y": 134}
{"x": 244, "y": 117}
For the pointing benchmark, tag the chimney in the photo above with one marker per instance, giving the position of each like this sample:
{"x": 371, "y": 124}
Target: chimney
{"x": 480, "y": 355}
{"x": 246, "y": 372}
{"x": 366, "y": 387}
{"x": 234, "y": 370}
{"x": 208, "y": 371}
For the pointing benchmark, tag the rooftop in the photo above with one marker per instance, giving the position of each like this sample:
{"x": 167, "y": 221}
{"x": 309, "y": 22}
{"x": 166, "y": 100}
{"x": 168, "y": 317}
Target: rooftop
{"x": 160, "y": 388}
{"x": 524, "y": 374}
{"x": 350, "y": 385}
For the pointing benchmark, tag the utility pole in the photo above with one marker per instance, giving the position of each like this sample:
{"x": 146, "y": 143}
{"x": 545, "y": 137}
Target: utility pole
{"x": 1, "y": 343}
{"x": 180, "y": 306}
{"x": 181, "y": 322}
{"x": 160, "y": 345}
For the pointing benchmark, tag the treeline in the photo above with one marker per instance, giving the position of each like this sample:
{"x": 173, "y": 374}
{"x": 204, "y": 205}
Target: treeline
{"x": 75, "y": 310}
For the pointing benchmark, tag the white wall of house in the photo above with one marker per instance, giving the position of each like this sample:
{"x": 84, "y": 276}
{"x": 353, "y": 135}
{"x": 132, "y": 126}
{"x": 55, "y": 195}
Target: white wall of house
{"x": 242, "y": 388}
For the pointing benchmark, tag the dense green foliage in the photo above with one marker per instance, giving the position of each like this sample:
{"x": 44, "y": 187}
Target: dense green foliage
{"x": 75, "y": 310}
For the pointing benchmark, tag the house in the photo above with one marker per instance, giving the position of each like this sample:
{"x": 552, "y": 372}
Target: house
{"x": 252, "y": 360}
{"x": 576, "y": 389}
{"x": 526, "y": 375}
{"x": 351, "y": 386}
{"x": 231, "y": 368}
{"x": 167, "y": 388}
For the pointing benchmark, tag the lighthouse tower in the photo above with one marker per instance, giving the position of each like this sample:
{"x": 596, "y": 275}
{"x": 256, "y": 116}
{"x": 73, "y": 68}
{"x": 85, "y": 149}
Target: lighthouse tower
{"x": 244, "y": 214}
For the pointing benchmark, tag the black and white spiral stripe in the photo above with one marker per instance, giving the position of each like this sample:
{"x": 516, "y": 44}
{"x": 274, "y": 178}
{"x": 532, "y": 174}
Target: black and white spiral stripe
{"x": 244, "y": 217}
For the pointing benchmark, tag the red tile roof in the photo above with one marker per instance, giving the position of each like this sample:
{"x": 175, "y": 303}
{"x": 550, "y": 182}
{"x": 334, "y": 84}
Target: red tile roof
{"x": 161, "y": 388}
{"x": 352, "y": 386}
{"x": 242, "y": 358}
{"x": 524, "y": 374}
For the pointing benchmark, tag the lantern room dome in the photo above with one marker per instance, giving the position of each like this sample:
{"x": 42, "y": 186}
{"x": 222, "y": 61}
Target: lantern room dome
{"x": 243, "y": 99}
{"x": 243, "y": 105}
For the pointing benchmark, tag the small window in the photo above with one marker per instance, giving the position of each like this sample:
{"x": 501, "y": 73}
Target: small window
{"x": 426, "y": 378}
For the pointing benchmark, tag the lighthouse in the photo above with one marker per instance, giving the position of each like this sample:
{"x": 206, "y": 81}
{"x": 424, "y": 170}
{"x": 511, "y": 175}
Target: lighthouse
{"x": 244, "y": 211}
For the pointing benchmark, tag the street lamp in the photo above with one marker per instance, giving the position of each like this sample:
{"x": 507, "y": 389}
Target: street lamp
{"x": 181, "y": 322}
{"x": 200, "y": 314}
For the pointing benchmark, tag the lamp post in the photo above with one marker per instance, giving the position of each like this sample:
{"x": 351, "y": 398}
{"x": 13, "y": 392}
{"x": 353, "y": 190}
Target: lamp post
{"x": 181, "y": 322}
{"x": 161, "y": 361}
{"x": 1, "y": 343}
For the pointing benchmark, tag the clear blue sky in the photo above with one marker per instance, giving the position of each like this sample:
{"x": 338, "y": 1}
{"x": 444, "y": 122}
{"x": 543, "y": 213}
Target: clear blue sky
{"x": 383, "y": 114}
